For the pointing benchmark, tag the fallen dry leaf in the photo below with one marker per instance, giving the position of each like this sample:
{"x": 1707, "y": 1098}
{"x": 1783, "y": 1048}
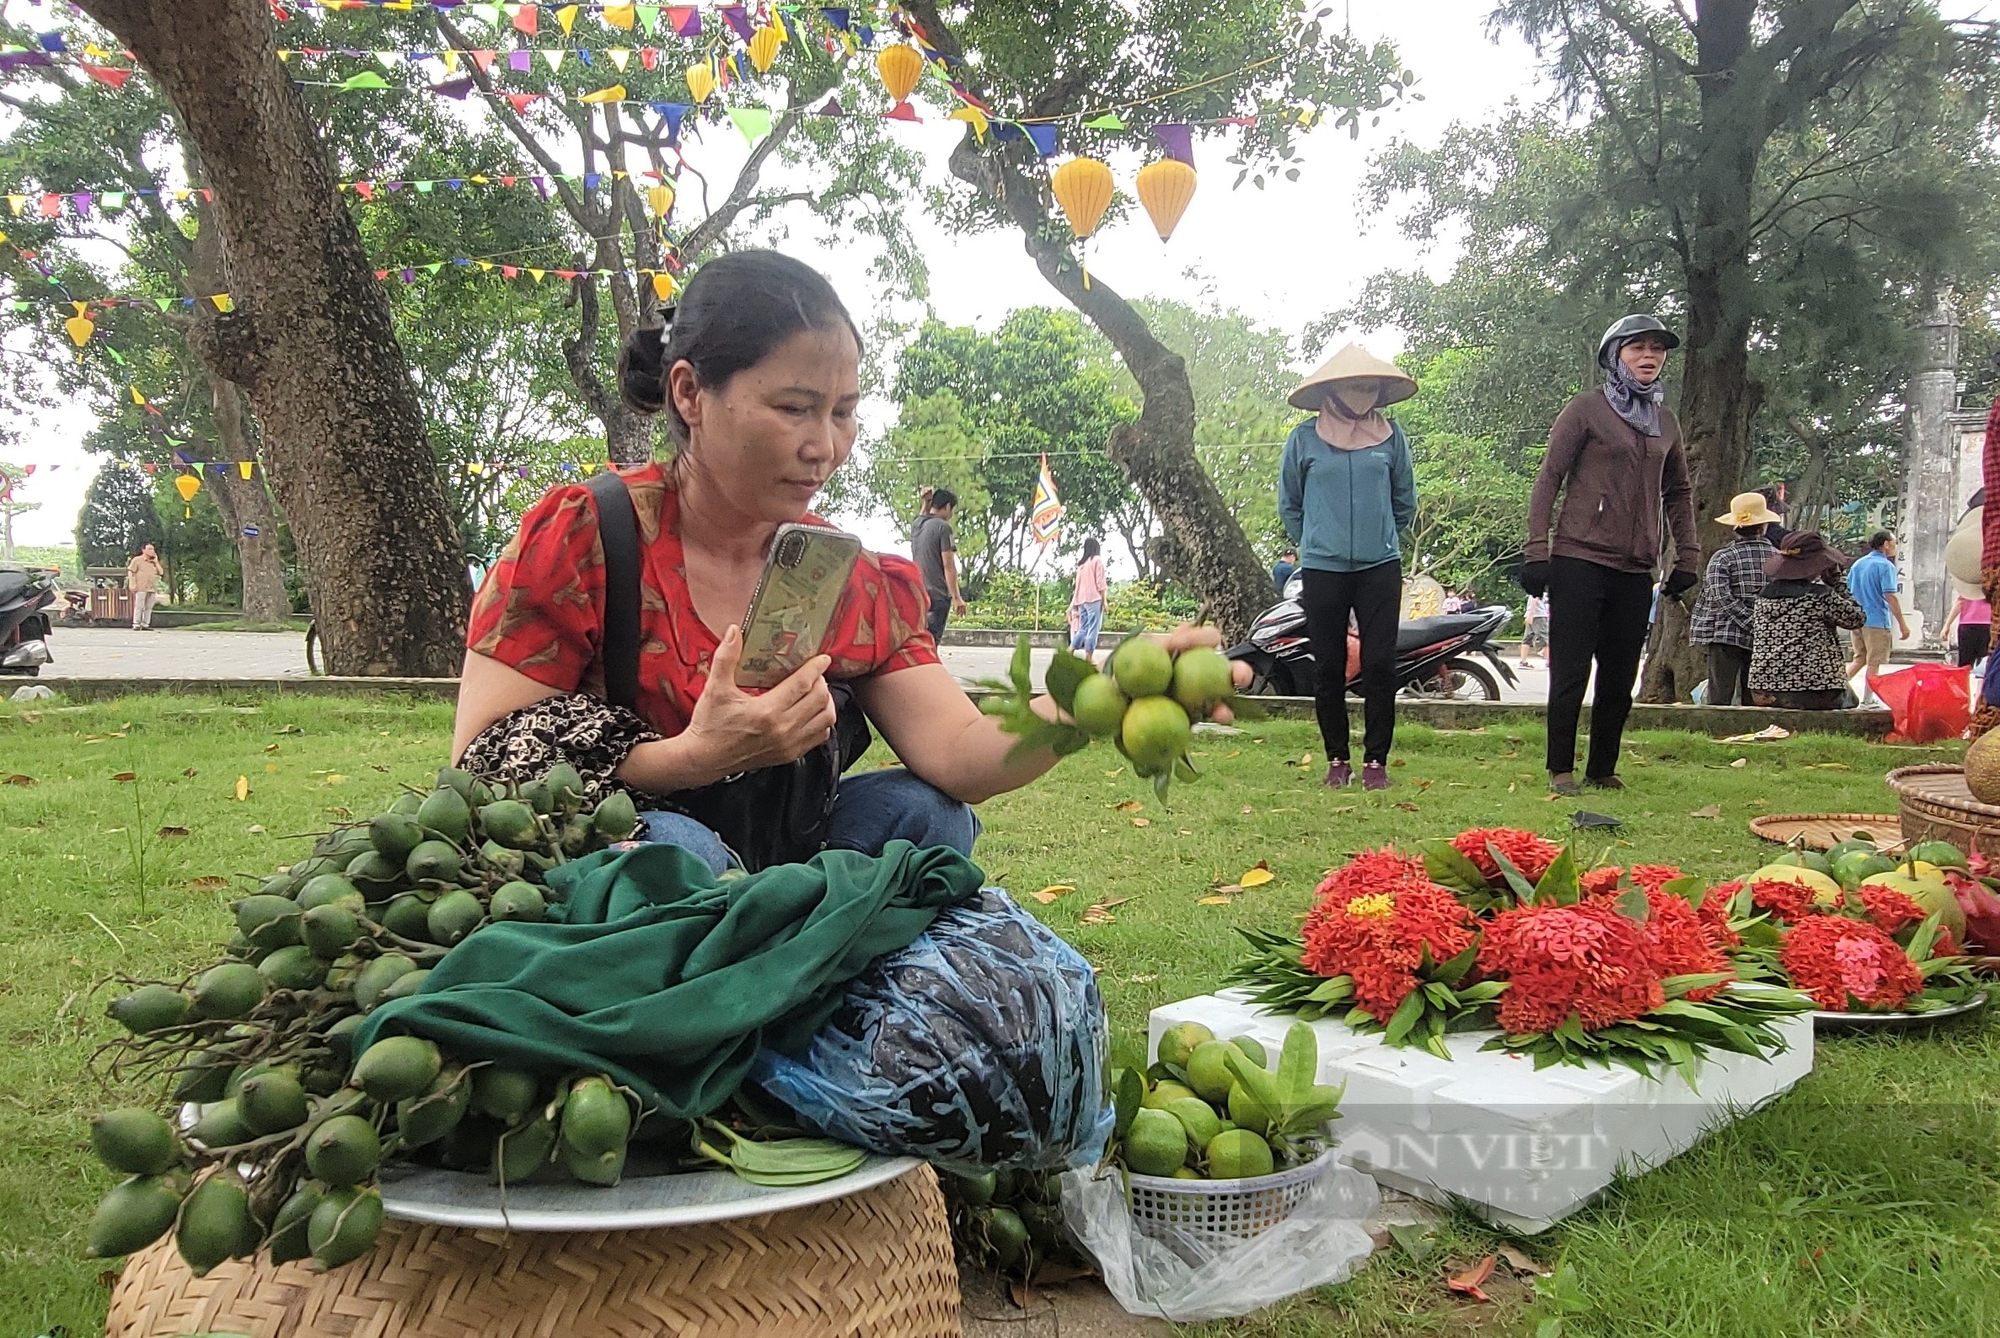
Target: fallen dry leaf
{"x": 335, "y": 778}
{"x": 1468, "y": 1283}
{"x": 1217, "y": 900}
{"x": 1247, "y": 809}
{"x": 1141, "y": 980}
{"x": 1234, "y": 753}
{"x": 1407, "y": 806}
{"x": 190, "y": 773}
{"x": 341, "y": 811}
{"x": 1423, "y": 785}
{"x": 1257, "y": 875}
{"x": 1522, "y": 1262}
{"x": 242, "y": 788}
{"x": 1051, "y": 892}
{"x": 1096, "y": 915}
{"x": 255, "y": 829}
{"x": 1116, "y": 771}
{"x": 1344, "y": 808}
{"x": 208, "y": 883}
{"x": 1142, "y": 822}
{"x": 1740, "y": 763}
{"x": 124, "y": 776}
{"x": 288, "y": 729}
{"x": 172, "y": 833}
{"x": 24, "y": 781}
{"x": 270, "y": 767}
{"x": 1129, "y": 806}
{"x": 1712, "y": 811}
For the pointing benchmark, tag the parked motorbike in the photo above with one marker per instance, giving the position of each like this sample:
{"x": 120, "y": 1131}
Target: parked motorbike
{"x": 1434, "y": 656}
{"x": 24, "y": 627}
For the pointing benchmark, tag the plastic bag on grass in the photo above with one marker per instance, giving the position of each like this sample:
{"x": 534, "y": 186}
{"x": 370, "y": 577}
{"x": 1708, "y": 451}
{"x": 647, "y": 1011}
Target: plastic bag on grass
{"x": 1927, "y": 702}
{"x": 982, "y": 1044}
{"x": 1187, "y": 1275}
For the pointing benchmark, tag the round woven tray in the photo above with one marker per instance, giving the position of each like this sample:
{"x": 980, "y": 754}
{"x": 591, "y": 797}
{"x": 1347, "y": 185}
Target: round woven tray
{"x": 1821, "y": 831}
{"x": 1937, "y": 804}
{"x": 877, "y": 1264}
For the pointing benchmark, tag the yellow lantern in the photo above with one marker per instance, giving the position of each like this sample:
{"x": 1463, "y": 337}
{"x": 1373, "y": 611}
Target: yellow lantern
{"x": 701, "y": 82}
{"x": 900, "y": 67}
{"x": 663, "y": 285}
{"x": 1083, "y": 188}
{"x": 764, "y": 48}
{"x": 187, "y": 485}
{"x": 660, "y": 199}
{"x": 80, "y": 328}
{"x": 1165, "y": 187}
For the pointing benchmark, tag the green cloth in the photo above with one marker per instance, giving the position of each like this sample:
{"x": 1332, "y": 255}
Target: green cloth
{"x": 668, "y": 980}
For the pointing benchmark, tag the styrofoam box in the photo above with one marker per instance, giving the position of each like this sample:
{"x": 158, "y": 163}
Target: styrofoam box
{"x": 1524, "y": 1148}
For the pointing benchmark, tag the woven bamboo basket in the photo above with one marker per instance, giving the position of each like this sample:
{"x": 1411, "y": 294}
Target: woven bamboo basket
{"x": 877, "y": 1264}
{"x": 1936, "y": 803}
{"x": 1821, "y": 831}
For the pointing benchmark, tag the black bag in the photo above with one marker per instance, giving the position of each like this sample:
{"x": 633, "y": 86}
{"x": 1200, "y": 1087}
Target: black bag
{"x": 774, "y": 815}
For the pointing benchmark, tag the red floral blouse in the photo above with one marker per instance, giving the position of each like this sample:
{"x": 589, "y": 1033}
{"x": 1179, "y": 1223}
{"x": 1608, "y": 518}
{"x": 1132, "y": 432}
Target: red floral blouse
{"x": 541, "y": 608}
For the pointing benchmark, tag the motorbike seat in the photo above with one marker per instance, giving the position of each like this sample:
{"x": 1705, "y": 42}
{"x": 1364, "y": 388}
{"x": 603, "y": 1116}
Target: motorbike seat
{"x": 12, "y": 583}
{"x": 1421, "y": 632}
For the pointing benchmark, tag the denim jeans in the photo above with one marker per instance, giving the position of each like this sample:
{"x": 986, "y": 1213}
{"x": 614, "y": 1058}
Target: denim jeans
{"x": 872, "y": 809}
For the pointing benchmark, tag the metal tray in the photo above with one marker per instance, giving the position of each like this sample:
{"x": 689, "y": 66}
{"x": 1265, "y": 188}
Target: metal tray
{"x": 452, "y": 1198}
{"x": 1875, "y": 1022}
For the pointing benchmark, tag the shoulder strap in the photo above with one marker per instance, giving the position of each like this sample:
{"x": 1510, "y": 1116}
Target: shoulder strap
{"x": 618, "y": 530}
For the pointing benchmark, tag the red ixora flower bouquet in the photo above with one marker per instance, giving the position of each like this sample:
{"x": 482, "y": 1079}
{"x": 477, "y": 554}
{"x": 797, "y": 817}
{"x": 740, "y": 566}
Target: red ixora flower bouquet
{"x": 1498, "y": 928}
{"x": 1867, "y": 949}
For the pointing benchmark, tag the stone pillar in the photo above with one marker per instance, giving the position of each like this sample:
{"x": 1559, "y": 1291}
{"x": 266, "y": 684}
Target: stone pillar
{"x": 1930, "y": 460}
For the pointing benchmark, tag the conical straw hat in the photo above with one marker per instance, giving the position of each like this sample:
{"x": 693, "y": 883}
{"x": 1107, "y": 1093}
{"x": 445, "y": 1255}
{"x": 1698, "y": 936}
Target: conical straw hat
{"x": 1350, "y": 363}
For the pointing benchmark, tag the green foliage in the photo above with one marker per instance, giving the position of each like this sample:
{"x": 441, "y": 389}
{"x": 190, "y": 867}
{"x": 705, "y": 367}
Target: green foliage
{"x": 1129, "y": 606}
{"x": 117, "y": 519}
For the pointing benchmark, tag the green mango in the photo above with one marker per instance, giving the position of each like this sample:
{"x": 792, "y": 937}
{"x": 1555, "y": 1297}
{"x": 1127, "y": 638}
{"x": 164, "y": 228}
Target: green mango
{"x": 279, "y": 885}
{"x": 566, "y": 785}
{"x": 597, "y": 1117}
{"x": 407, "y": 803}
{"x": 205, "y": 1078}
{"x": 538, "y": 797}
{"x": 329, "y": 889}
{"x": 615, "y": 817}
{"x": 135, "y": 1141}
{"x": 132, "y": 1216}
{"x": 149, "y": 1008}
{"x": 512, "y": 823}
{"x": 403, "y": 986}
{"x": 340, "y": 1036}
{"x": 458, "y": 781}
{"x": 376, "y": 876}
{"x": 223, "y": 1126}
{"x": 215, "y": 1223}
{"x": 408, "y": 916}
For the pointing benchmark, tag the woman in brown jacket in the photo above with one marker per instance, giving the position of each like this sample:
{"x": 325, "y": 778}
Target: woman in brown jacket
{"x": 1615, "y": 457}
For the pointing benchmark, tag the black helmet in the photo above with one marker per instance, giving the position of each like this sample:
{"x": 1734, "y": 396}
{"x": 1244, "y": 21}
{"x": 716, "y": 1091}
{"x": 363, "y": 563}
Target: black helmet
{"x": 1625, "y": 328}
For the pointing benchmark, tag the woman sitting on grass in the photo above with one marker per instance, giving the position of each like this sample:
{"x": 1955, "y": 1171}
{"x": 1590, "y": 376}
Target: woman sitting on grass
{"x": 758, "y": 375}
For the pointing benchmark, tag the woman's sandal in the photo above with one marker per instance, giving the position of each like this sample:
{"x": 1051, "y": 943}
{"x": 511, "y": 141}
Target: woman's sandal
{"x": 1564, "y": 785}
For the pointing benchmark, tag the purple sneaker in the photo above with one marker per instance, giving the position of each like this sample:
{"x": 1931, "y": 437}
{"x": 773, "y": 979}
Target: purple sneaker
{"x": 1374, "y": 776}
{"x": 1339, "y": 775}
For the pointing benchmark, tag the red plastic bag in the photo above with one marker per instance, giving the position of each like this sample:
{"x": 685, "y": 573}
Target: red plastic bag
{"x": 1927, "y": 702}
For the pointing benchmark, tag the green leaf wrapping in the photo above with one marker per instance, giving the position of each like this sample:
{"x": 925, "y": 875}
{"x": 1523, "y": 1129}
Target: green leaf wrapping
{"x": 1447, "y": 867}
{"x": 1066, "y": 672}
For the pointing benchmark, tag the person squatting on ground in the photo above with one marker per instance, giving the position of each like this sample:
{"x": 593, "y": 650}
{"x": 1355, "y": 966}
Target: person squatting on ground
{"x": 1615, "y": 460}
{"x": 1873, "y": 584}
{"x": 1086, "y": 602}
{"x": 1796, "y": 663}
{"x": 1724, "y": 613}
{"x": 1346, "y": 485}
{"x": 758, "y": 376}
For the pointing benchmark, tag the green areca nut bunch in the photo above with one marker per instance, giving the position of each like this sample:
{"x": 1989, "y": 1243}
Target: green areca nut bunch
{"x": 282, "y": 1128}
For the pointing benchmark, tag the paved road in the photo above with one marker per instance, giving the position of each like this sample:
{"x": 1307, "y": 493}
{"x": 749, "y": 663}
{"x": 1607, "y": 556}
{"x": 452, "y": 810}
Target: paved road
{"x": 173, "y": 653}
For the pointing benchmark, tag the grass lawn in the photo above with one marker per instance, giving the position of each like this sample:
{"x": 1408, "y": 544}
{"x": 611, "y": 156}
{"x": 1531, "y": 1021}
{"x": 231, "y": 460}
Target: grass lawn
{"x": 1862, "y": 1204}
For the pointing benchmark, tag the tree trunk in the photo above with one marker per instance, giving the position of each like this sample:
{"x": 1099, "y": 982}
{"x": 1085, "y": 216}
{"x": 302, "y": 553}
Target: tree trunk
{"x": 1206, "y": 549}
{"x": 311, "y": 341}
{"x": 245, "y": 504}
{"x": 1718, "y": 398}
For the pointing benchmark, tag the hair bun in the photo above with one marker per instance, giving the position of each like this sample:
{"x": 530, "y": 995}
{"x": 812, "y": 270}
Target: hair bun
{"x": 642, "y": 382}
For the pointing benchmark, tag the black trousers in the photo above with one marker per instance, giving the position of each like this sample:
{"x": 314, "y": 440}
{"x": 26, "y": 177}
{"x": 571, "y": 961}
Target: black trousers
{"x": 1972, "y": 643}
{"x": 1375, "y": 597}
{"x": 935, "y": 616}
{"x": 1728, "y": 674}
{"x": 1595, "y": 615}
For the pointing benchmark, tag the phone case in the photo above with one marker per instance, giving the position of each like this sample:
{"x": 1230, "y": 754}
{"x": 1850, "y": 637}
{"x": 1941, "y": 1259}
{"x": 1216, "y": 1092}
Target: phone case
{"x": 796, "y": 599}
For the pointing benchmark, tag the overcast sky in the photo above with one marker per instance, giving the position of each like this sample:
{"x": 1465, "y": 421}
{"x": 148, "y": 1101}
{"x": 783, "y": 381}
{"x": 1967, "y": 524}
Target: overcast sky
{"x": 1286, "y": 255}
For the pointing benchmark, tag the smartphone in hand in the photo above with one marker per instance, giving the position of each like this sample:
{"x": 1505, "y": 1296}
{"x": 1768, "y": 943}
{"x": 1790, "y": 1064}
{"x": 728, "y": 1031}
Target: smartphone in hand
{"x": 796, "y": 600}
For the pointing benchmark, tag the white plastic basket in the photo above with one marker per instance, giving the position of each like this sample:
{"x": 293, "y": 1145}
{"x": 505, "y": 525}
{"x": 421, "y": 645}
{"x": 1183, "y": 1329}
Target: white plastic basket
{"x": 1240, "y": 1208}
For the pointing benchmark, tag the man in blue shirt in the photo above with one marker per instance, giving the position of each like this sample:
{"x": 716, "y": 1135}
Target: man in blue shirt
{"x": 1282, "y": 569}
{"x": 1872, "y": 582}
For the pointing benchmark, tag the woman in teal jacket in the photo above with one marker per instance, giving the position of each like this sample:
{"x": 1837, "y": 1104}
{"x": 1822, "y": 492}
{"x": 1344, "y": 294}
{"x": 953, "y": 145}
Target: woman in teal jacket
{"x": 1345, "y": 488}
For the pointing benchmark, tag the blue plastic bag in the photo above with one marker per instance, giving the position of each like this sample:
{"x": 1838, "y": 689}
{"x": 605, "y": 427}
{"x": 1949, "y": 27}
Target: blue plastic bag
{"x": 982, "y": 1044}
